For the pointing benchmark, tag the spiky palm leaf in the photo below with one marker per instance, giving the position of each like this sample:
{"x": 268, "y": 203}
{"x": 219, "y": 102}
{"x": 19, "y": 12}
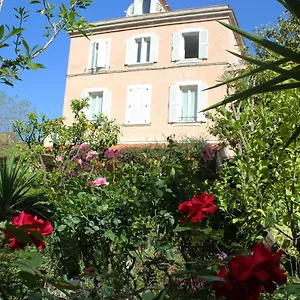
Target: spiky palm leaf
{"x": 16, "y": 188}
{"x": 287, "y": 79}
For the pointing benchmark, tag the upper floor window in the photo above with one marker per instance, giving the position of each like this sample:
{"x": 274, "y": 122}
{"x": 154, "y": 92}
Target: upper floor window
{"x": 99, "y": 54}
{"x": 141, "y": 49}
{"x": 190, "y": 44}
{"x": 99, "y": 102}
{"x": 138, "y": 104}
{"x": 186, "y": 100}
{"x": 141, "y": 7}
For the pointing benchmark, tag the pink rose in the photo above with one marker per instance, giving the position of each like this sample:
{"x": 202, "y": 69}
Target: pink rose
{"x": 91, "y": 154}
{"x": 111, "y": 153}
{"x": 78, "y": 160}
{"x": 101, "y": 181}
{"x": 207, "y": 152}
{"x": 59, "y": 158}
{"x": 83, "y": 147}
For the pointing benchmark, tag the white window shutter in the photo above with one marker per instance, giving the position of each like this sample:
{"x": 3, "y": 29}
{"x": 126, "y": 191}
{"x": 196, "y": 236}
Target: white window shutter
{"x": 173, "y": 104}
{"x": 137, "y": 7}
{"x": 87, "y": 110}
{"x": 102, "y": 53}
{"x": 153, "y": 6}
{"x": 145, "y": 96}
{"x": 201, "y": 102}
{"x": 130, "y": 105}
{"x": 129, "y": 52}
{"x": 91, "y": 54}
{"x": 106, "y": 105}
{"x": 154, "y": 49}
{"x": 177, "y": 47}
{"x": 203, "y": 44}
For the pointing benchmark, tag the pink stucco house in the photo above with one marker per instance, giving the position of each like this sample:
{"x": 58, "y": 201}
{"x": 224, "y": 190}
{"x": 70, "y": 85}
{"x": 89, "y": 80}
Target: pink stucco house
{"x": 148, "y": 70}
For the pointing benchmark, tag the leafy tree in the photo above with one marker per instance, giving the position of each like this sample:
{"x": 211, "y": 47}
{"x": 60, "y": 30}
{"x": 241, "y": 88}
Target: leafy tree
{"x": 22, "y": 56}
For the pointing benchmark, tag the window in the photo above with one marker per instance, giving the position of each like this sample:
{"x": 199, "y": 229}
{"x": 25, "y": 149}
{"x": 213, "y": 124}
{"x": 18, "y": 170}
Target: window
{"x": 146, "y": 6}
{"x": 138, "y": 105}
{"x": 190, "y": 44}
{"x": 99, "y": 102}
{"x": 99, "y": 54}
{"x": 186, "y": 100}
{"x": 141, "y": 50}
{"x": 188, "y": 111}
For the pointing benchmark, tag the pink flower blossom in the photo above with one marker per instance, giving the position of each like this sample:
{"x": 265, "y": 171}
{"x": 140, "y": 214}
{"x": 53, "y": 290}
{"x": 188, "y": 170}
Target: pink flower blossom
{"x": 78, "y": 160}
{"x": 101, "y": 181}
{"x": 222, "y": 255}
{"x": 83, "y": 147}
{"x": 59, "y": 158}
{"x": 91, "y": 154}
{"x": 111, "y": 153}
{"x": 207, "y": 152}
{"x": 172, "y": 268}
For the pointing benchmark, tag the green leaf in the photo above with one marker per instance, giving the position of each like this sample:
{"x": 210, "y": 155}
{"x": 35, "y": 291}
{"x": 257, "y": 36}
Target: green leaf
{"x": 61, "y": 227}
{"x": 172, "y": 172}
{"x": 275, "y": 47}
{"x": 109, "y": 234}
{"x": 14, "y": 32}
{"x": 293, "y": 137}
{"x": 181, "y": 228}
{"x": 148, "y": 295}
{"x": 1, "y": 32}
{"x": 212, "y": 278}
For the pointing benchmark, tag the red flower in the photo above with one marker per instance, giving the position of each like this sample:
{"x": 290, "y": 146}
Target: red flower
{"x": 43, "y": 227}
{"x": 250, "y": 276}
{"x": 197, "y": 208}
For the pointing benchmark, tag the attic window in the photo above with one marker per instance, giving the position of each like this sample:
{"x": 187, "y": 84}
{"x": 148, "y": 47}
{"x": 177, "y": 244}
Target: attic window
{"x": 146, "y": 6}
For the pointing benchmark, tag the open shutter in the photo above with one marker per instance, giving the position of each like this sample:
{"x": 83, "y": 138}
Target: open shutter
{"x": 129, "y": 52}
{"x": 153, "y": 6}
{"x": 176, "y": 47}
{"x": 201, "y": 102}
{"x": 91, "y": 54}
{"x": 173, "y": 104}
{"x": 154, "y": 49}
{"x": 137, "y": 7}
{"x": 203, "y": 44}
{"x": 87, "y": 110}
{"x": 106, "y": 104}
{"x": 102, "y": 53}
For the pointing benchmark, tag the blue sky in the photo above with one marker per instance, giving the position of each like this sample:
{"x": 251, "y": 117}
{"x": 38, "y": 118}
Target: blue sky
{"x": 45, "y": 88}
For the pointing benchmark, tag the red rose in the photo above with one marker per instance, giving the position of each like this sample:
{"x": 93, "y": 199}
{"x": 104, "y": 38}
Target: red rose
{"x": 250, "y": 276}
{"x": 43, "y": 227}
{"x": 197, "y": 208}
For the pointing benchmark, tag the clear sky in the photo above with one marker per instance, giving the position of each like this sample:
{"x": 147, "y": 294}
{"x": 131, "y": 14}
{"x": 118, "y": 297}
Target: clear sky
{"x": 45, "y": 88}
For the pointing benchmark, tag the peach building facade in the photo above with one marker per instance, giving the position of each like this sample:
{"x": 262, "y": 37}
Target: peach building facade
{"x": 148, "y": 70}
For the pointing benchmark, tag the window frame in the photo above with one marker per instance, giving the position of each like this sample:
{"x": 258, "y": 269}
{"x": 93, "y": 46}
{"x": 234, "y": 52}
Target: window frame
{"x": 94, "y": 68}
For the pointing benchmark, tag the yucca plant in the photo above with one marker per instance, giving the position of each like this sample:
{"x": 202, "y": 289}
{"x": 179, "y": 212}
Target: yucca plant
{"x": 16, "y": 192}
{"x": 287, "y": 78}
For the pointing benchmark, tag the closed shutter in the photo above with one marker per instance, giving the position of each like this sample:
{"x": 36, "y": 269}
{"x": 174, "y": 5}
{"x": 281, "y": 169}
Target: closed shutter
{"x": 202, "y": 102}
{"x": 203, "y": 44}
{"x": 144, "y": 98}
{"x": 106, "y": 106}
{"x": 131, "y": 105}
{"x": 86, "y": 111}
{"x": 177, "y": 47}
{"x": 129, "y": 52}
{"x": 173, "y": 104}
{"x": 154, "y": 49}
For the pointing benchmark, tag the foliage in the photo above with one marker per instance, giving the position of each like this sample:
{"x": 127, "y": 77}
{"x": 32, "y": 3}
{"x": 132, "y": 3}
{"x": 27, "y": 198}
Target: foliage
{"x": 285, "y": 65}
{"x": 22, "y": 55}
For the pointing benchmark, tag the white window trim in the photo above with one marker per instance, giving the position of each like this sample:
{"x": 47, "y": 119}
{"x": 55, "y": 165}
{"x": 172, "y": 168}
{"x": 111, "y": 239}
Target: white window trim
{"x": 133, "y": 41}
{"x": 108, "y": 50}
{"x": 97, "y": 90}
{"x": 188, "y": 60}
{"x": 179, "y": 85}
